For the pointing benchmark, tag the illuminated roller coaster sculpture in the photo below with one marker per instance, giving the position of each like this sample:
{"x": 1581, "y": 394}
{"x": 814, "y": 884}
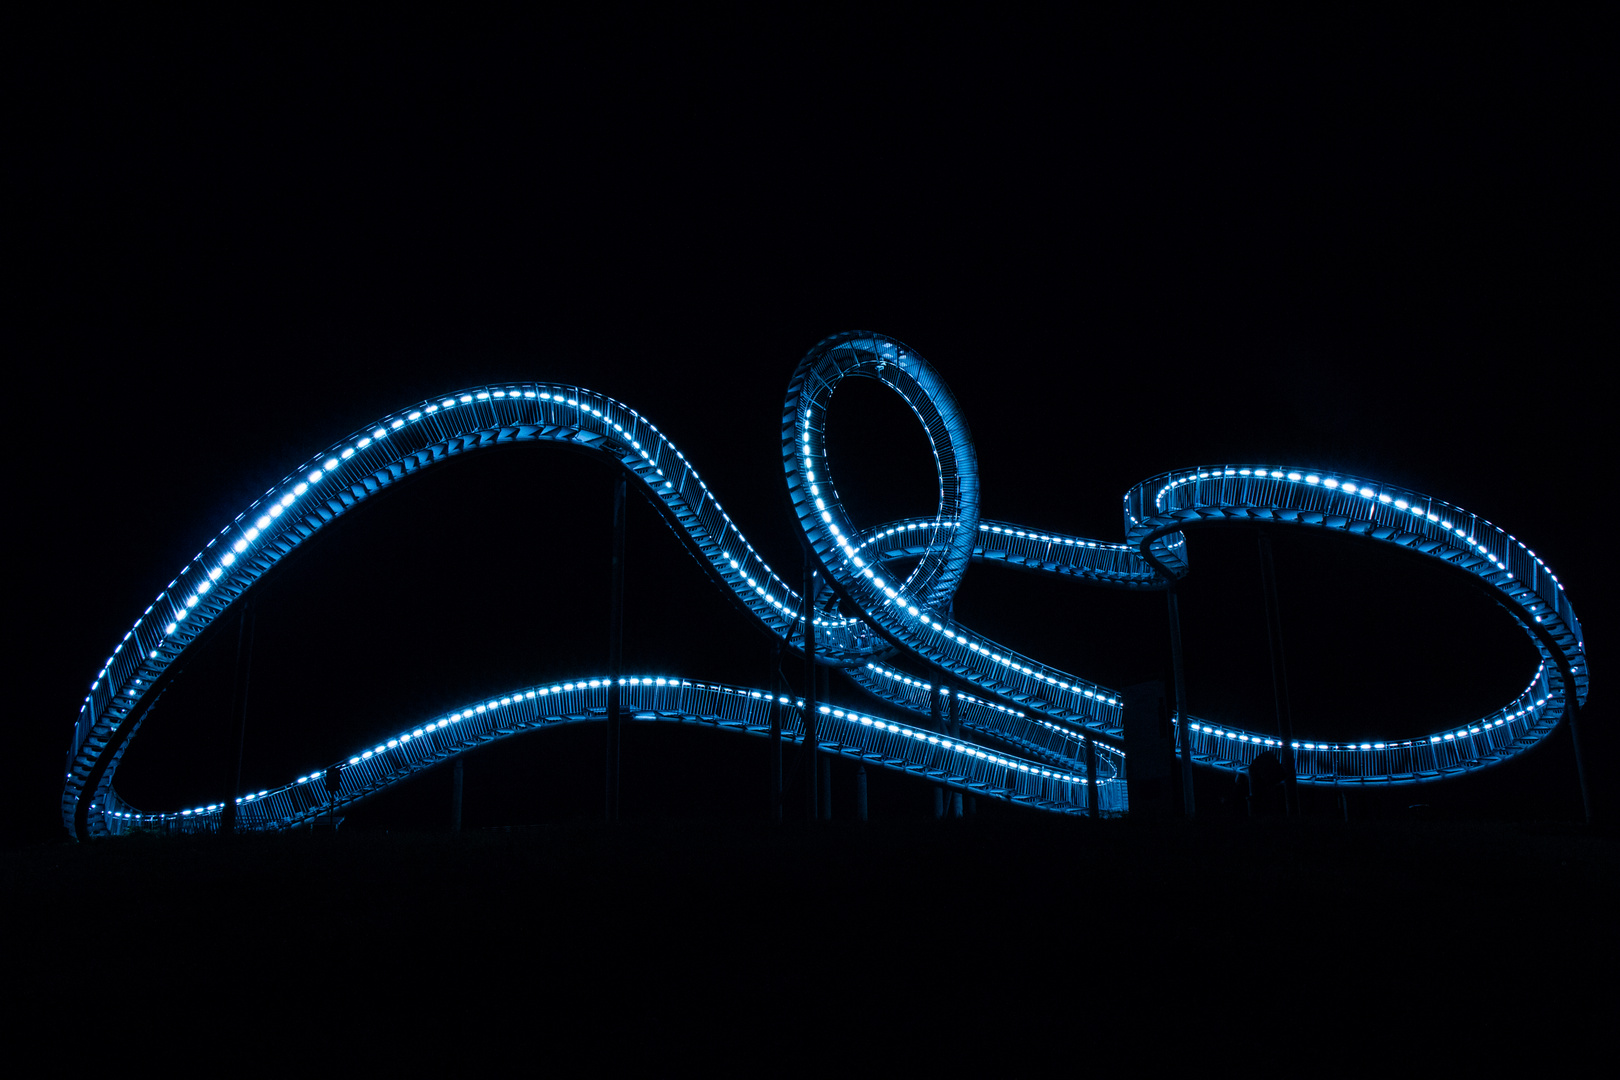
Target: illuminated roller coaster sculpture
{"x": 1048, "y": 715}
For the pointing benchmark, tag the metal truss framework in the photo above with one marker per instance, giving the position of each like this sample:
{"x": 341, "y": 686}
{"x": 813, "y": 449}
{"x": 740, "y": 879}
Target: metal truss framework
{"x": 1047, "y": 714}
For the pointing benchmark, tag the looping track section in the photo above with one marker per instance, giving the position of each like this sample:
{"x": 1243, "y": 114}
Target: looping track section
{"x": 1157, "y": 512}
{"x": 1037, "y": 717}
{"x": 912, "y": 611}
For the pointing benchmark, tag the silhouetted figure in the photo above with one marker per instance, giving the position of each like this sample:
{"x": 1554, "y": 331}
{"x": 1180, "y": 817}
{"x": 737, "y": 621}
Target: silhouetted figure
{"x": 334, "y": 784}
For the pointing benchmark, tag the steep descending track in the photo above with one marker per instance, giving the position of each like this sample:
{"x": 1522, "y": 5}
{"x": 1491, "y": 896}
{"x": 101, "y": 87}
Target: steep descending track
{"x": 1015, "y": 701}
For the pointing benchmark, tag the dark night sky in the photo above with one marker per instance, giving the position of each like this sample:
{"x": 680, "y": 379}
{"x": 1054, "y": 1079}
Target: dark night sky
{"x": 1352, "y": 244}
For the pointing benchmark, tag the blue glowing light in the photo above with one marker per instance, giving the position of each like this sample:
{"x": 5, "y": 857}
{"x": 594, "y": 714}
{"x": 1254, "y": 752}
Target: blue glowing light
{"x": 1015, "y": 699}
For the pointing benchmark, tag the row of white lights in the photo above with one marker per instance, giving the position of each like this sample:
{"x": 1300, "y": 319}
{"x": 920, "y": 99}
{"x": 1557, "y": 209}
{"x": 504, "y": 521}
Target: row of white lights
{"x": 901, "y": 677}
{"x": 1330, "y": 483}
{"x": 898, "y": 598}
{"x": 847, "y": 715}
{"x": 1350, "y": 487}
{"x": 896, "y": 594}
{"x": 1461, "y": 733}
{"x": 279, "y": 504}
{"x": 1007, "y": 530}
{"x": 254, "y": 531}
{"x": 1399, "y": 503}
{"x": 182, "y": 610}
{"x": 1482, "y": 727}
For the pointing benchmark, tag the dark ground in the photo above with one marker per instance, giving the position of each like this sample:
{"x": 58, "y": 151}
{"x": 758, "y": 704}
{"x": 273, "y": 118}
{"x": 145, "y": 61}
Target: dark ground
{"x": 1069, "y": 910}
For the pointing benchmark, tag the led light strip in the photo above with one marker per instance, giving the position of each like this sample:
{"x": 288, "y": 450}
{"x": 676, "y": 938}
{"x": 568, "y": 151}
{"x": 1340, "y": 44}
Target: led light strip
{"x": 910, "y": 615}
{"x": 860, "y": 736}
{"x": 913, "y": 615}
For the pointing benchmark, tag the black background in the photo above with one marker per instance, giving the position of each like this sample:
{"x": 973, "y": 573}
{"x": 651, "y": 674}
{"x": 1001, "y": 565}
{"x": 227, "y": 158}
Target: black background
{"x": 1363, "y": 243}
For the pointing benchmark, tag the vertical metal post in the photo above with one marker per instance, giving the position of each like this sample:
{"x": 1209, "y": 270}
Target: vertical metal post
{"x": 615, "y": 649}
{"x": 811, "y": 746}
{"x": 1093, "y": 789}
{"x": 1279, "y": 676}
{"x": 860, "y": 793}
{"x": 455, "y": 798}
{"x": 774, "y": 766}
{"x": 824, "y": 760}
{"x": 953, "y": 728}
{"x": 1187, "y": 803}
{"x": 936, "y": 721}
{"x": 1572, "y": 709}
{"x": 239, "y": 693}
{"x": 824, "y": 800}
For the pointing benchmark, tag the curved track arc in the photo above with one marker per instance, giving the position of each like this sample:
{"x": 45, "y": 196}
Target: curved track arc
{"x": 1042, "y": 710}
{"x": 910, "y": 617}
{"x": 349, "y": 472}
{"x": 848, "y": 733}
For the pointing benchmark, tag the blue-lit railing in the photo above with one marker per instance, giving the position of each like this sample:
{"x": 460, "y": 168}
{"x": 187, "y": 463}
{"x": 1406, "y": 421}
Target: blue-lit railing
{"x": 871, "y": 740}
{"x": 1014, "y": 699}
{"x": 912, "y": 612}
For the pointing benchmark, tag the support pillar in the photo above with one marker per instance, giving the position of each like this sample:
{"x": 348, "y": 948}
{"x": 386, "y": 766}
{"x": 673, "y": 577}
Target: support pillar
{"x": 953, "y": 728}
{"x": 1279, "y": 676}
{"x": 824, "y": 773}
{"x": 455, "y": 798}
{"x": 1093, "y": 789}
{"x": 1187, "y": 804}
{"x": 615, "y": 720}
{"x": 811, "y": 746}
{"x": 774, "y": 766}
{"x": 1572, "y": 709}
{"x": 239, "y": 693}
{"x": 860, "y": 793}
{"x": 824, "y": 759}
{"x": 937, "y": 722}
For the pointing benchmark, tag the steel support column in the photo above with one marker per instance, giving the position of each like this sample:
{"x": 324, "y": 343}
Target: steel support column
{"x": 1188, "y": 805}
{"x": 953, "y": 728}
{"x": 239, "y": 694}
{"x": 615, "y": 719}
{"x": 774, "y": 765}
{"x": 824, "y": 760}
{"x": 811, "y": 746}
{"x": 1572, "y": 708}
{"x": 455, "y": 797}
{"x": 824, "y": 774}
{"x": 937, "y": 722}
{"x": 1279, "y": 675}
{"x": 1094, "y": 790}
